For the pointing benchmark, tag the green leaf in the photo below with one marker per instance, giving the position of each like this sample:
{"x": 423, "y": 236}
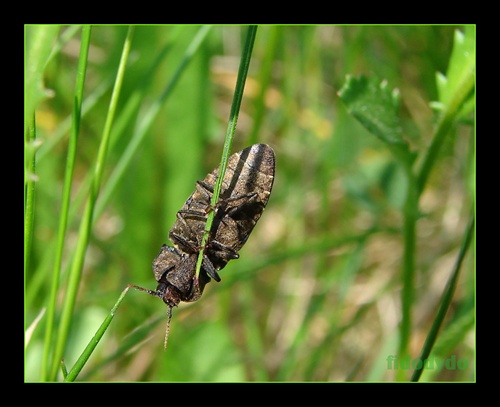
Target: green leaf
{"x": 462, "y": 62}
{"x": 376, "y": 107}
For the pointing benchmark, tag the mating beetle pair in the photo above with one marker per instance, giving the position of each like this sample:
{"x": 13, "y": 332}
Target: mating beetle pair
{"x": 245, "y": 191}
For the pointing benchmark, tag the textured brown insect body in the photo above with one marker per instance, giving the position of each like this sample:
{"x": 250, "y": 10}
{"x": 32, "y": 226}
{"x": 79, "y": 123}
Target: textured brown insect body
{"x": 244, "y": 194}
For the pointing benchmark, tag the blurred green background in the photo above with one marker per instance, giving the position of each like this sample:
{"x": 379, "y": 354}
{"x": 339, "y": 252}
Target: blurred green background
{"x": 315, "y": 295}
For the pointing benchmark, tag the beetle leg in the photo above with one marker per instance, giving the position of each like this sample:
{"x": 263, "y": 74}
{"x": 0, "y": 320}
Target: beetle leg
{"x": 186, "y": 245}
{"x": 223, "y": 251}
{"x": 209, "y": 268}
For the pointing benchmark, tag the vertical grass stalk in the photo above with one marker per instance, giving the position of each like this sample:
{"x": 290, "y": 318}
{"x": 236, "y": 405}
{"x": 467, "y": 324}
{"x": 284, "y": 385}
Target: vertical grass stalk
{"x": 139, "y": 135}
{"x": 416, "y": 186}
{"x": 410, "y": 213}
{"x": 86, "y": 223}
{"x": 265, "y": 75}
{"x": 231, "y": 127}
{"x": 445, "y": 302}
{"x": 29, "y": 197}
{"x": 66, "y": 195}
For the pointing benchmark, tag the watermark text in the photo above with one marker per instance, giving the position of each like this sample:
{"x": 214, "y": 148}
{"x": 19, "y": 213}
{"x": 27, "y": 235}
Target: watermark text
{"x": 395, "y": 362}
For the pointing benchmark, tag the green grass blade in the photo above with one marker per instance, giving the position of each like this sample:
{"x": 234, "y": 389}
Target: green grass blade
{"x": 126, "y": 344}
{"x": 231, "y": 127}
{"x": 66, "y": 196}
{"x": 63, "y": 369}
{"x": 39, "y": 39}
{"x": 410, "y": 213}
{"x": 265, "y": 76}
{"x": 445, "y": 302}
{"x": 143, "y": 127}
{"x": 29, "y": 198}
{"x": 86, "y": 223}
{"x": 82, "y": 360}
{"x": 90, "y": 101}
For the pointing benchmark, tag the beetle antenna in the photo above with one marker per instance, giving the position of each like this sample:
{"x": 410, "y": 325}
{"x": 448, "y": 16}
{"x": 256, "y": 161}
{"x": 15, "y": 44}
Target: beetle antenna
{"x": 167, "y": 330}
{"x": 150, "y": 292}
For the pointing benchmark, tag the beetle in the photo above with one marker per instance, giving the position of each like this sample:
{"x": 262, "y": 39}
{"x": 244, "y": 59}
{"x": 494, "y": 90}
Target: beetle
{"x": 244, "y": 194}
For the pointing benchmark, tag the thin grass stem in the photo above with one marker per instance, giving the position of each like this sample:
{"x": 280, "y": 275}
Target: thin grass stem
{"x": 82, "y": 360}
{"x": 445, "y": 303}
{"x": 231, "y": 127}
{"x": 66, "y": 197}
{"x": 86, "y": 223}
{"x": 410, "y": 214}
{"x": 143, "y": 127}
{"x": 29, "y": 197}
